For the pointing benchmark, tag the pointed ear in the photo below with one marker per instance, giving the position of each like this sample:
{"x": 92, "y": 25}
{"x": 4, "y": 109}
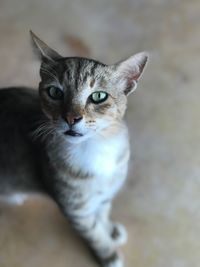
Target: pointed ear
{"x": 128, "y": 72}
{"x": 43, "y": 50}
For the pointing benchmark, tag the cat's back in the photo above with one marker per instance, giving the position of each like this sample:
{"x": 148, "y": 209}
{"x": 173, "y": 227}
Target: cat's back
{"x": 18, "y": 100}
{"x": 19, "y": 110}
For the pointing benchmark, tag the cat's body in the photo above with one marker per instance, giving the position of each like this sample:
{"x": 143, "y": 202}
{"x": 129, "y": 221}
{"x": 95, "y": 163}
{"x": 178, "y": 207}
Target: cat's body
{"x": 70, "y": 141}
{"x": 19, "y": 167}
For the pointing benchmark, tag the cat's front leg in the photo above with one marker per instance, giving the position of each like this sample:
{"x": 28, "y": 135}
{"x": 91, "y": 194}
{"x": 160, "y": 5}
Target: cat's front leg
{"x": 93, "y": 230}
{"x": 116, "y": 230}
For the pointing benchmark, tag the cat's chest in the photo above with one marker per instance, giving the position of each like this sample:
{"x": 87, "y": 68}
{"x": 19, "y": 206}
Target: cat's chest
{"x": 106, "y": 163}
{"x": 98, "y": 157}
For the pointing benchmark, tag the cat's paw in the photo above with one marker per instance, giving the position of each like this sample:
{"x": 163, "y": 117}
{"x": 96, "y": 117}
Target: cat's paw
{"x": 119, "y": 234}
{"x": 115, "y": 260}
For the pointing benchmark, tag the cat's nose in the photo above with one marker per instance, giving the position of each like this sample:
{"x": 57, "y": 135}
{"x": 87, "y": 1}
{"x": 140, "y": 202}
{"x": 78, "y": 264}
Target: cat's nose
{"x": 73, "y": 119}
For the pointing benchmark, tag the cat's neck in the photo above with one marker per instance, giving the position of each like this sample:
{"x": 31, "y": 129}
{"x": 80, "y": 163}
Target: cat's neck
{"x": 98, "y": 154}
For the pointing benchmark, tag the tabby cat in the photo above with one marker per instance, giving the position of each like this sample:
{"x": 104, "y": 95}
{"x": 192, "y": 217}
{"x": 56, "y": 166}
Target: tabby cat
{"x": 71, "y": 142}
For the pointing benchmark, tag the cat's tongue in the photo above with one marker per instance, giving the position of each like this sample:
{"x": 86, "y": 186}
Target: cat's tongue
{"x": 73, "y": 133}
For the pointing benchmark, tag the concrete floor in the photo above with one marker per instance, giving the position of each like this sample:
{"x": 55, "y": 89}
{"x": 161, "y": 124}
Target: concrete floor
{"x": 160, "y": 204}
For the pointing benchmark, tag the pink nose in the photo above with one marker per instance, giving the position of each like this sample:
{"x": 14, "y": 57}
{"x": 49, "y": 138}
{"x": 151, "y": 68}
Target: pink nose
{"x": 72, "y": 118}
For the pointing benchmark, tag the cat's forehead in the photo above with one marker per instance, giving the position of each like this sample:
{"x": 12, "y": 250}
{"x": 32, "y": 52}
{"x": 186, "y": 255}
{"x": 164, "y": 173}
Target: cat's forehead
{"x": 78, "y": 71}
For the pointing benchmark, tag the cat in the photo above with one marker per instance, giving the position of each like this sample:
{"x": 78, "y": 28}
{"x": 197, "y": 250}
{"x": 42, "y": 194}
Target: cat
{"x": 70, "y": 141}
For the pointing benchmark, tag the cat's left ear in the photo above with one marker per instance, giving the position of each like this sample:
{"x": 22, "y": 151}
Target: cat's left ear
{"x": 128, "y": 72}
{"x": 43, "y": 50}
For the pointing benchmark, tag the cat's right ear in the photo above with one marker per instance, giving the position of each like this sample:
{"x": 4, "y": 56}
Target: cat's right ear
{"x": 43, "y": 50}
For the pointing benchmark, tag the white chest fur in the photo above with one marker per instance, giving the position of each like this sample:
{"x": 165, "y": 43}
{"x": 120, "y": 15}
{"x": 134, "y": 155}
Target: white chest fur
{"x": 106, "y": 160}
{"x": 99, "y": 156}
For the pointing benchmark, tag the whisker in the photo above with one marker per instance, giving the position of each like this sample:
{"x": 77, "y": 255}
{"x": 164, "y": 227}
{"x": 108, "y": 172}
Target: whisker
{"x": 43, "y": 130}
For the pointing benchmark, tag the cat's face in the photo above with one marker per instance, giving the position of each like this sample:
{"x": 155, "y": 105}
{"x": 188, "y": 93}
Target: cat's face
{"x": 83, "y": 97}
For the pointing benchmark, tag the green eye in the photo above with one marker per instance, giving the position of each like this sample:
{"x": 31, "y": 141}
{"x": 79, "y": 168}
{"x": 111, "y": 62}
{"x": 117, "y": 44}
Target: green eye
{"x": 98, "y": 97}
{"x": 55, "y": 93}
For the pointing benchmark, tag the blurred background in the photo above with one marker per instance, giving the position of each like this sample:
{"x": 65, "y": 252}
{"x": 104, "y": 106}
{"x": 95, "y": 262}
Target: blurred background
{"x": 160, "y": 203}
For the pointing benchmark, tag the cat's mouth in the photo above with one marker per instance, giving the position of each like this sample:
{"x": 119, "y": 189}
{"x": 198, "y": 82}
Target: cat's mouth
{"x": 73, "y": 133}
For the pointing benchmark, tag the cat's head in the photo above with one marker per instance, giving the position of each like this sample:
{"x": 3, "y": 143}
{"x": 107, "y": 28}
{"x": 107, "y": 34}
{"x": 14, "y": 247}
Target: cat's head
{"x": 83, "y": 97}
